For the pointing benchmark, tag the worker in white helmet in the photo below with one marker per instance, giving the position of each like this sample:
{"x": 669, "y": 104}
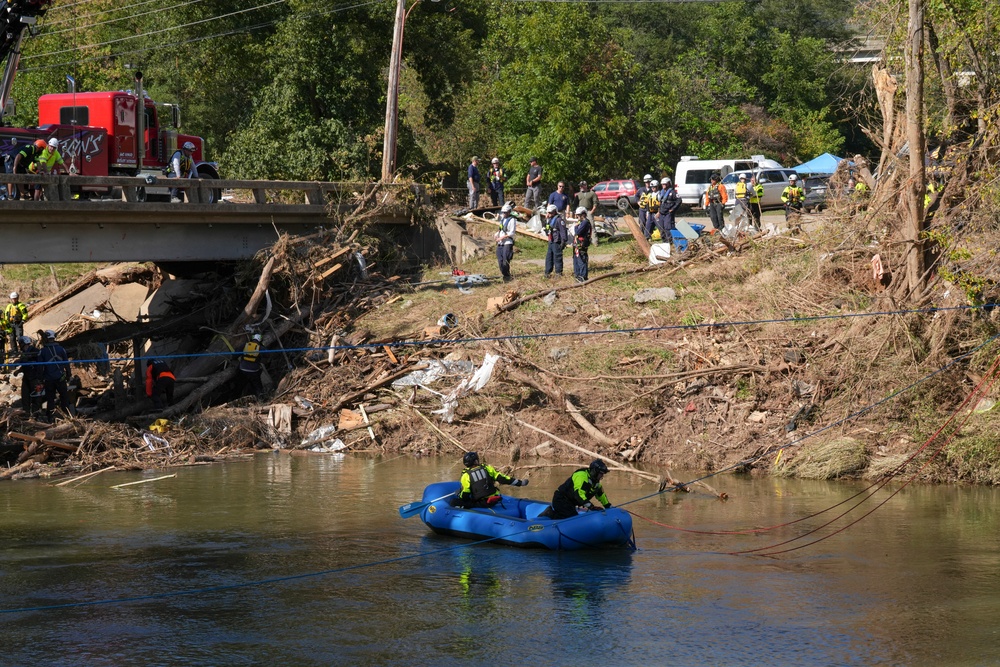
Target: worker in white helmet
{"x": 181, "y": 165}
{"x": 14, "y": 316}
{"x": 49, "y": 161}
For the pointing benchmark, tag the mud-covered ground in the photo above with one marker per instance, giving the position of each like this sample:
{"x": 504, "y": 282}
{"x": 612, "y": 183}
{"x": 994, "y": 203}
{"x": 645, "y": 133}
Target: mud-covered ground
{"x": 783, "y": 357}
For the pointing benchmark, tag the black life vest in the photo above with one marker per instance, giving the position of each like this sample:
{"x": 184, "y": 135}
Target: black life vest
{"x": 481, "y": 484}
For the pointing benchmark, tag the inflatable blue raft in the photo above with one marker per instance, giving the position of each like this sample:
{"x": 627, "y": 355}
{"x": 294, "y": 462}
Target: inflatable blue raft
{"x": 515, "y": 521}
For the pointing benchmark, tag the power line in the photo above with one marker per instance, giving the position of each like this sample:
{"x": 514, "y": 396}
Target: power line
{"x": 156, "y": 32}
{"x": 121, "y": 18}
{"x": 87, "y": 16}
{"x": 159, "y": 47}
{"x": 521, "y": 337}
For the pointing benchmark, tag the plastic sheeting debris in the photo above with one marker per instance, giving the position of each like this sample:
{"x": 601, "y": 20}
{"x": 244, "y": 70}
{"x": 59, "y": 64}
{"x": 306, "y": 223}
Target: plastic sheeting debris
{"x": 436, "y": 370}
{"x": 659, "y": 253}
{"x": 157, "y": 444}
{"x": 322, "y": 440}
{"x": 469, "y": 385}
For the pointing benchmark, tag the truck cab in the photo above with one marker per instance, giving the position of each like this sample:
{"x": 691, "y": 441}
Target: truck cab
{"x": 99, "y": 135}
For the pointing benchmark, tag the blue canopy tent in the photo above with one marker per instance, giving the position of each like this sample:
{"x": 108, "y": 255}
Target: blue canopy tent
{"x": 824, "y": 164}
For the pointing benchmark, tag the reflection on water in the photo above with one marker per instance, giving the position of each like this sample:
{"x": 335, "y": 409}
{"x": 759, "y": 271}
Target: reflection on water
{"x": 913, "y": 584}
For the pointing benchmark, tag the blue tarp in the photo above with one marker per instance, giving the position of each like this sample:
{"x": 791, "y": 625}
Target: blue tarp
{"x": 824, "y": 164}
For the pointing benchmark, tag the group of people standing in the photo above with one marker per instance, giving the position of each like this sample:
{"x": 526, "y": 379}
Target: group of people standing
{"x": 479, "y": 488}
{"x": 658, "y": 204}
{"x": 37, "y": 157}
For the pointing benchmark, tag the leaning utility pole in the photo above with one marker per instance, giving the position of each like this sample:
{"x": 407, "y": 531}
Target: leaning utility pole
{"x": 392, "y": 96}
{"x": 915, "y": 223}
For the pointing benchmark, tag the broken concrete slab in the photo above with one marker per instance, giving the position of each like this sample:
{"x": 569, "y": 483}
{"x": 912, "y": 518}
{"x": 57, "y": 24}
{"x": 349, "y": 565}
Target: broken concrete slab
{"x": 127, "y": 300}
{"x": 86, "y": 301}
{"x": 654, "y": 294}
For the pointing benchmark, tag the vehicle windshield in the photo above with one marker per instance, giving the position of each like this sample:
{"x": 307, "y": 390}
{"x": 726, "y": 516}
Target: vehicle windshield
{"x": 732, "y": 178}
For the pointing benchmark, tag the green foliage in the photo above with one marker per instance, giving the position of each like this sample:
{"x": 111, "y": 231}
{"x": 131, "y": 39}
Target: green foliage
{"x": 297, "y": 89}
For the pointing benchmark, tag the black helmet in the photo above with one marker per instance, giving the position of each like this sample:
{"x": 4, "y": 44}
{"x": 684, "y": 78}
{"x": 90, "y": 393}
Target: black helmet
{"x": 470, "y": 459}
{"x": 598, "y": 467}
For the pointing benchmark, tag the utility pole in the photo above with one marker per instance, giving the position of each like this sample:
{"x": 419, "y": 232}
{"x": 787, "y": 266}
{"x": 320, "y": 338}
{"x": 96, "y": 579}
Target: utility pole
{"x": 392, "y": 96}
{"x": 915, "y": 264}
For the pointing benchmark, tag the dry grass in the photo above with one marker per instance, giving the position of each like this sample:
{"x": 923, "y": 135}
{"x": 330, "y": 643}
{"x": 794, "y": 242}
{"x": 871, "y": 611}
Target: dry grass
{"x": 825, "y": 460}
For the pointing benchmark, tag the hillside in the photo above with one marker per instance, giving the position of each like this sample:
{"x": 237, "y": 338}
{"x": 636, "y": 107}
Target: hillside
{"x": 784, "y": 356}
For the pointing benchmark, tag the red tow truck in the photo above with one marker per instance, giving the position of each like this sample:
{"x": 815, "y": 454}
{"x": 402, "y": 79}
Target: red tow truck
{"x": 114, "y": 133}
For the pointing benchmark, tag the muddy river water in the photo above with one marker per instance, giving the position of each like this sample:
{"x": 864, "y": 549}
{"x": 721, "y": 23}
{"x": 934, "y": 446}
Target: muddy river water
{"x": 289, "y": 560}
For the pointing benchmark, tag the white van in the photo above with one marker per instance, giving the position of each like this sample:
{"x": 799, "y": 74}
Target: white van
{"x": 693, "y": 175}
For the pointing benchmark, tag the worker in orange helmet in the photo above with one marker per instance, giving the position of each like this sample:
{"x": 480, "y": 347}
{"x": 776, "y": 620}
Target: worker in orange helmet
{"x": 22, "y": 160}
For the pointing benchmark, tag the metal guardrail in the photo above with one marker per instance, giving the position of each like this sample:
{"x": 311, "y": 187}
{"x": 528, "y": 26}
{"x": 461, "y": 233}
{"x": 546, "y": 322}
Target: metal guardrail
{"x": 63, "y": 229}
{"x": 198, "y": 190}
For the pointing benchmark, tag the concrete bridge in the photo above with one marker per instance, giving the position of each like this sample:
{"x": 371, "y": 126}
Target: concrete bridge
{"x": 127, "y": 228}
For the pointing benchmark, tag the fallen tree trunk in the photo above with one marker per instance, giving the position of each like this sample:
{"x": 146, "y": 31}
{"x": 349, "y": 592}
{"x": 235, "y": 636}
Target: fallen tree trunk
{"x": 614, "y": 465}
{"x": 558, "y": 397}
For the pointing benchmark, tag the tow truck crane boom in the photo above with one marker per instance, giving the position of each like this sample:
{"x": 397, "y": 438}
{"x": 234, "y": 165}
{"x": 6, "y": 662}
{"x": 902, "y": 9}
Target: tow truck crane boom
{"x": 17, "y": 17}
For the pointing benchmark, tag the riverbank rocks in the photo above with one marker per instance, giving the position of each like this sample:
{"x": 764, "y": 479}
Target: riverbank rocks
{"x": 654, "y": 294}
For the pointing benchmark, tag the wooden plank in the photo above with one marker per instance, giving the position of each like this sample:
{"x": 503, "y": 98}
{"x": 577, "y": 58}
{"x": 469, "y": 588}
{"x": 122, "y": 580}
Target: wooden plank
{"x": 638, "y": 235}
{"x": 392, "y": 357}
{"x": 337, "y": 255}
{"x": 329, "y": 272}
{"x": 42, "y": 441}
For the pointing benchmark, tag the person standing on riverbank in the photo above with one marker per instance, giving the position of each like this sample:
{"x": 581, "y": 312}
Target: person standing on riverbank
{"x": 14, "y": 316}
{"x": 505, "y": 240}
{"x": 473, "y": 182}
{"x": 479, "y": 483}
{"x": 587, "y": 198}
{"x": 31, "y": 375}
{"x": 55, "y": 371}
{"x": 533, "y": 183}
{"x": 497, "y": 178}
{"x": 250, "y": 367}
{"x": 555, "y": 229}
{"x": 715, "y": 202}
{"x": 581, "y": 244}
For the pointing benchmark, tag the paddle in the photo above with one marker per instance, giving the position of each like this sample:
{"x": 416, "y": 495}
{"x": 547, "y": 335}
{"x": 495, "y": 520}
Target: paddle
{"x": 411, "y": 509}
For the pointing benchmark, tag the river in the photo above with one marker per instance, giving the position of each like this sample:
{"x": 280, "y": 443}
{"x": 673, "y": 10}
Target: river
{"x": 304, "y": 560}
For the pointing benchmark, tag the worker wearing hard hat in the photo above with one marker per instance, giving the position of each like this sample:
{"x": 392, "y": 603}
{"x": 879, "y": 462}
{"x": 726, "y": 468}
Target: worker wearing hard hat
{"x": 55, "y": 371}
{"x": 505, "y": 240}
{"x": 555, "y": 229}
{"x": 24, "y": 159}
{"x": 49, "y": 161}
{"x": 14, "y": 316}
{"x": 581, "y": 244}
{"x": 250, "y": 367}
{"x": 181, "y": 165}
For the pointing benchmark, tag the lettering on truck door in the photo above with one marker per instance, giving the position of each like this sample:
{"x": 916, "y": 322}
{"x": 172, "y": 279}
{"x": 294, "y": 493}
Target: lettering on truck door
{"x": 124, "y": 132}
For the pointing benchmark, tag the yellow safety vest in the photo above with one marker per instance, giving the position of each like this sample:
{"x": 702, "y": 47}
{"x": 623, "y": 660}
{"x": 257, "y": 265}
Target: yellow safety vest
{"x": 48, "y": 158}
{"x": 251, "y": 351}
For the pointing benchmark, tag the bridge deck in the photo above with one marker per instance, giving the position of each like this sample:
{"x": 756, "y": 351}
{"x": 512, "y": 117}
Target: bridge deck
{"x": 100, "y": 230}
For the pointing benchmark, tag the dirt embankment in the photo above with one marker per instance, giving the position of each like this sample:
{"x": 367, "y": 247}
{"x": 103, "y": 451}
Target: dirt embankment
{"x": 761, "y": 362}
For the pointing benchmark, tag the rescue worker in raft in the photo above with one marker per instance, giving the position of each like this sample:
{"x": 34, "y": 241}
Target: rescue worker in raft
{"x": 479, "y": 483}
{"x": 577, "y": 491}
